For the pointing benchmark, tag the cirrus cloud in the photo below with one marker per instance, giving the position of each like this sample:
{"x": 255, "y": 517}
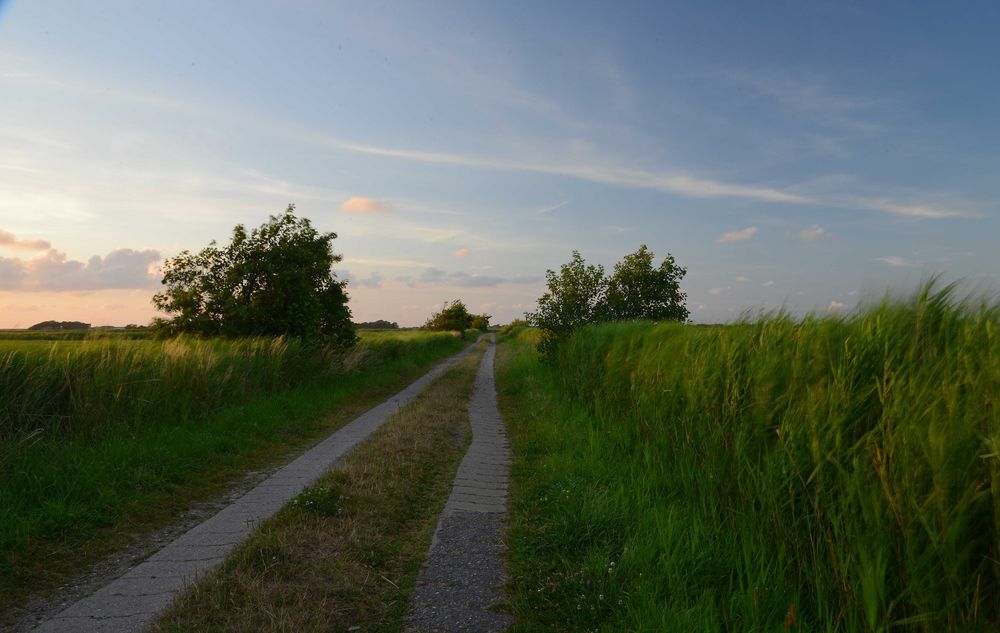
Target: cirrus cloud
{"x": 738, "y": 236}
{"x": 462, "y": 252}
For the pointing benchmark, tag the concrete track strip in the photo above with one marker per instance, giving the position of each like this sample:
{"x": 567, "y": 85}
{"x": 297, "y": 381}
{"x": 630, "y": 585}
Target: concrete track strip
{"x": 460, "y": 580}
{"x": 132, "y": 601}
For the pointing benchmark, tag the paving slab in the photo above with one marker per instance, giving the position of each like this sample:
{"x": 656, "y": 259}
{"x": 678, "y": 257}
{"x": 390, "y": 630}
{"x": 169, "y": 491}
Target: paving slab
{"x": 132, "y": 601}
{"x": 460, "y": 582}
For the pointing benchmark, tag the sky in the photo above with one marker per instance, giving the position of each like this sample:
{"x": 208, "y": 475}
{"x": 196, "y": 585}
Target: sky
{"x": 804, "y": 156}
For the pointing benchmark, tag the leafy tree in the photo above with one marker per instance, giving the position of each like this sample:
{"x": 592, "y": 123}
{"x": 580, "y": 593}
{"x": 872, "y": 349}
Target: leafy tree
{"x": 574, "y": 295}
{"x": 637, "y": 290}
{"x": 454, "y": 316}
{"x": 481, "y": 322}
{"x": 276, "y": 280}
{"x": 580, "y": 294}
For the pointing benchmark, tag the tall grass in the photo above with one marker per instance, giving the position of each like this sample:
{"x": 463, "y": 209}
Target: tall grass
{"x": 80, "y": 387}
{"x": 838, "y": 473}
{"x": 98, "y": 435}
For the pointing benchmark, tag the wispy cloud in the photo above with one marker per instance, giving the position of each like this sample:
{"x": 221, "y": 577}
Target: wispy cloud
{"x": 675, "y": 182}
{"x": 388, "y": 263}
{"x": 896, "y": 261}
{"x": 805, "y": 94}
{"x": 740, "y": 279}
{"x": 437, "y": 277}
{"x": 814, "y": 233}
{"x": 553, "y": 207}
{"x": 9, "y": 240}
{"x": 835, "y": 306}
{"x": 768, "y": 283}
{"x": 679, "y": 183}
{"x": 361, "y": 205}
{"x": 719, "y": 291}
{"x": 737, "y": 236}
{"x": 810, "y": 96}
{"x": 462, "y": 252}
{"x": 910, "y": 210}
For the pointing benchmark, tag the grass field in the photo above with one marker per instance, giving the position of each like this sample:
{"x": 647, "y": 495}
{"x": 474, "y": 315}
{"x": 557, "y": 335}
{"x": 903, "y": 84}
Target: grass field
{"x": 103, "y": 439}
{"x": 836, "y": 474}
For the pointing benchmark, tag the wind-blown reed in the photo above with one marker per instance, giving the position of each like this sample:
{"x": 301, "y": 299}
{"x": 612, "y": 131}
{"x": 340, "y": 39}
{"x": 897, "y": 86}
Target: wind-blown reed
{"x": 838, "y": 473}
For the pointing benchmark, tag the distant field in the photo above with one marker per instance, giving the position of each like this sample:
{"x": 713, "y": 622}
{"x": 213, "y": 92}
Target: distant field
{"x": 401, "y": 333}
{"x": 72, "y": 335}
{"x": 139, "y": 334}
{"x": 836, "y": 474}
{"x": 106, "y": 434}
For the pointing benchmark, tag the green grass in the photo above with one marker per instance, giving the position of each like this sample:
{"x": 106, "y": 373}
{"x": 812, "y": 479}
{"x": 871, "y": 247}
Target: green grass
{"x": 103, "y": 440}
{"x": 835, "y": 474}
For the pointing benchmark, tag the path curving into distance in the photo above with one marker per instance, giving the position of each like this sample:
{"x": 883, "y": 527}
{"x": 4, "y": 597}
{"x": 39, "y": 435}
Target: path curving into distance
{"x": 462, "y": 576}
{"x": 133, "y": 600}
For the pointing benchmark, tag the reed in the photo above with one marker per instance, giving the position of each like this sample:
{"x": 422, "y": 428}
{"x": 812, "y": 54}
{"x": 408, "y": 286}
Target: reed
{"x": 834, "y": 473}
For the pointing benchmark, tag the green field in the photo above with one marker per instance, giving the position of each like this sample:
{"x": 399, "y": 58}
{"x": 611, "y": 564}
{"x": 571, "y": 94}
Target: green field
{"x": 833, "y": 474}
{"x": 101, "y": 439}
{"x": 73, "y": 335}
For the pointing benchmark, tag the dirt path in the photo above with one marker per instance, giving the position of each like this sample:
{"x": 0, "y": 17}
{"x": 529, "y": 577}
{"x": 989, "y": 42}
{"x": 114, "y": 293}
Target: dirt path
{"x": 130, "y": 602}
{"x": 461, "y": 578}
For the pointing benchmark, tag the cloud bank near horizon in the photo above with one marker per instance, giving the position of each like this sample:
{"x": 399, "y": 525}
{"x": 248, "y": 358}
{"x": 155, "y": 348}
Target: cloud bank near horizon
{"x": 53, "y": 271}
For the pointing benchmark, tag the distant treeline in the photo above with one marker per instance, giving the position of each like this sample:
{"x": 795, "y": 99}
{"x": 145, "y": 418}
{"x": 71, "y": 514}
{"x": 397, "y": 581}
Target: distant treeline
{"x": 60, "y": 325}
{"x": 377, "y": 325}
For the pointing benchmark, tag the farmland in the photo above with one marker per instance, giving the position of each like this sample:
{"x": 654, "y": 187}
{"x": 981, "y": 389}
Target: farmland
{"x": 103, "y": 438}
{"x": 829, "y": 473}
{"x": 836, "y": 473}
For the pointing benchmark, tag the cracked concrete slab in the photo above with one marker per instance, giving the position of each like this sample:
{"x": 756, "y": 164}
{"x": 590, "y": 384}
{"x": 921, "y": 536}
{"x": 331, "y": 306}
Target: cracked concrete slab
{"x": 132, "y": 601}
{"x": 460, "y": 583}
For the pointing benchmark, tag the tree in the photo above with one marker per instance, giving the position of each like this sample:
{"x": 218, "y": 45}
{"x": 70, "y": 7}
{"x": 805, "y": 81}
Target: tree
{"x": 454, "y": 316}
{"x": 380, "y": 324}
{"x": 636, "y": 290}
{"x": 481, "y": 322}
{"x": 572, "y": 301}
{"x": 277, "y": 280}
{"x": 580, "y": 294}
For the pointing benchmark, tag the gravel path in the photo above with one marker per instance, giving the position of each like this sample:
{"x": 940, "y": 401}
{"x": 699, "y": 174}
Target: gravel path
{"x": 461, "y": 578}
{"x": 133, "y": 600}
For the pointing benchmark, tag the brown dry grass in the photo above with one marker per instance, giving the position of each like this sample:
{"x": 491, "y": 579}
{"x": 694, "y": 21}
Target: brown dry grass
{"x": 345, "y": 554}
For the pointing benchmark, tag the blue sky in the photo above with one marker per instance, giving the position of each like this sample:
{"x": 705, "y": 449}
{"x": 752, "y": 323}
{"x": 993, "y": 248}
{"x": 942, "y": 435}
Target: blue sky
{"x": 805, "y": 155}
